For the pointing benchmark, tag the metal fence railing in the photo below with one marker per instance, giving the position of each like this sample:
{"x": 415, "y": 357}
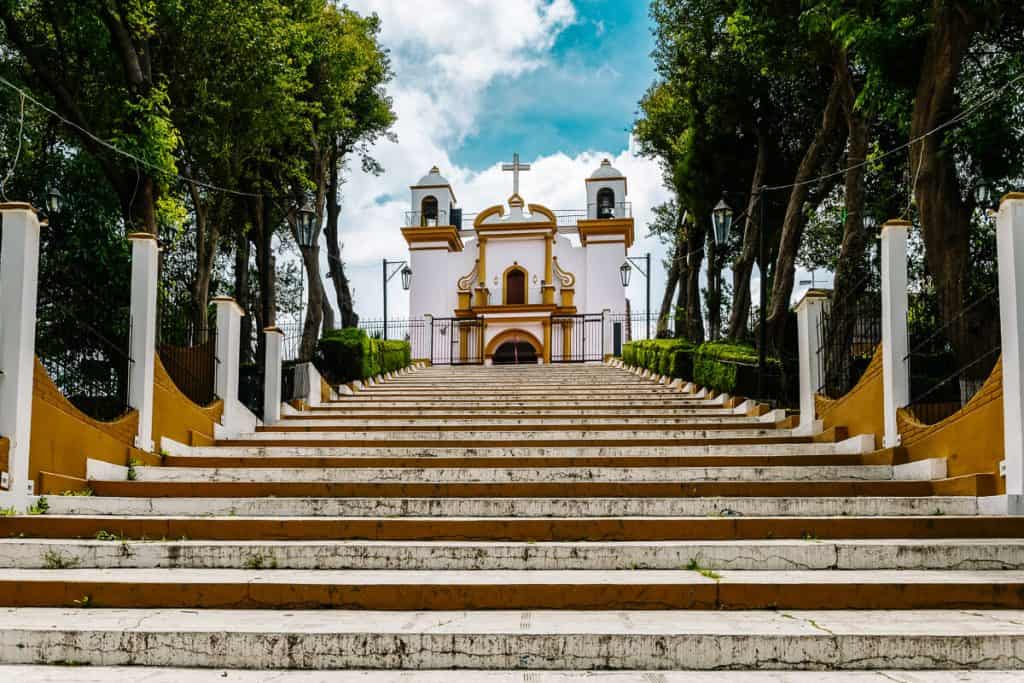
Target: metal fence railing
{"x": 87, "y": 356}
{"x": 634, "y": 326}
{"x": 949, "y": 361}
{"x": 848, "y": 333}
{"x": 188, "y": 351}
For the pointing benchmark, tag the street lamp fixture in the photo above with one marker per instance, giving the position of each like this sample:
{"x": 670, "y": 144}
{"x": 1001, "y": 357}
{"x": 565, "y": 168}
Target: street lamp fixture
{"x": 983, "y": 193}
{"x": 625, "y": 271}
{"x": 54, "y": 200}
{"x": 406, "y": 277}
{"x": 387, "y": 275}
{"x": 306, "y": 227}
{"x": 721, "y": 219}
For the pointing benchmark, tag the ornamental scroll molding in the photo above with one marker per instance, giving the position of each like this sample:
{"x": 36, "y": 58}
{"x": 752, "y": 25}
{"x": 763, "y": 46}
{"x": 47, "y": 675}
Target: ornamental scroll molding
{"x": 566, "y": 278}
{"x": 466, "y": 282}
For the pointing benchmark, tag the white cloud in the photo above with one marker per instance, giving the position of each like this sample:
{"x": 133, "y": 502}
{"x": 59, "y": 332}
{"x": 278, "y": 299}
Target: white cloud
{"x": 445, "y": 53}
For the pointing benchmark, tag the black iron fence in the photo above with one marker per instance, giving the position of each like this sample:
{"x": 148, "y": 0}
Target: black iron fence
{"x": 950, "y": 360}
{"x": 632, "y": 326}
{"x": 415, "y": 331}
{"x": 250, "y": 387}
{"x": 188, "y": 351}
{"x": 87, "y": 357}
{"x": 848, "y": 334}
{"x": 455, "y": 341}
{"x": 577, "y": 338}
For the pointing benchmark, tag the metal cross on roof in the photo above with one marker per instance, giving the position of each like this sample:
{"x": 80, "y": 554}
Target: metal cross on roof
{"x": 515, "y": 167}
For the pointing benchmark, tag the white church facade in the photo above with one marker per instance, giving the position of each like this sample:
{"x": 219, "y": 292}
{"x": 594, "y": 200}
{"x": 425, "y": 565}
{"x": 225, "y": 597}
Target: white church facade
{"x": 518, "y": 283}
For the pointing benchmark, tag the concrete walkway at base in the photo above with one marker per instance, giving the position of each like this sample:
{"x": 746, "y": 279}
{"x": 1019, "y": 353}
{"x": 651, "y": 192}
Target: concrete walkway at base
{"x": 633, "y": 640}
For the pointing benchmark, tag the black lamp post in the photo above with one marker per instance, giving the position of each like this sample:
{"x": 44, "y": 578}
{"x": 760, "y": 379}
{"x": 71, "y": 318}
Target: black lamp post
{"x": 400, "y": 267}
{"x": 625, "y": 270}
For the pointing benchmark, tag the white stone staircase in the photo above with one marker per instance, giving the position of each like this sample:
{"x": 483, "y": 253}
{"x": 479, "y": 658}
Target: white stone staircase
{"x": 519, "y": 522}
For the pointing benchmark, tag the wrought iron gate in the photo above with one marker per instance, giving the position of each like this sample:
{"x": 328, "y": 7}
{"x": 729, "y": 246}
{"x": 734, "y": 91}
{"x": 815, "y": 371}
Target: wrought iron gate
{"x": 577, "y": 338}
{"x": 457, "y": 341}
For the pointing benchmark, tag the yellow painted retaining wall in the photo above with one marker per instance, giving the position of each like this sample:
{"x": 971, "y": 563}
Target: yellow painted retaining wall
{"x": 860, "y": 410}
{"x": 63, "y": 437}
{"x": 177, "y": 417}
{"x": 970, "y": 439}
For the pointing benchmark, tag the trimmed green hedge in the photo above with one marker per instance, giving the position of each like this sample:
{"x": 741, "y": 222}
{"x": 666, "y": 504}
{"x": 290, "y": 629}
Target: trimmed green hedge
{"x": 350, "y": 354}
{"x": 720, "y": 365}
{"x": 670, "y": 357}
{"x": 715, "y": 365}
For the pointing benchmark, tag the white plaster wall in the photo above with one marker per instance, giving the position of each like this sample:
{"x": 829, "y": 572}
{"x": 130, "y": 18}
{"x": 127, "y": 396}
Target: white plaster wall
{"x": 528, "y": 253}
{"x": 431, "y": 285}
{"x": 444, "y": 202}
{"x": 603, "y": 284}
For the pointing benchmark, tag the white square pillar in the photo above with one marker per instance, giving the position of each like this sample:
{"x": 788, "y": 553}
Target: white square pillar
{"x": 809, "y": 312}
{"x": 145, "y": 260}
{"x": 274, "y": 339}
{"x": 19, "y": 279}
{"x": 236, "y": 417}
{"x": 1010, "y": 250}
{"x": 895, "y": 370}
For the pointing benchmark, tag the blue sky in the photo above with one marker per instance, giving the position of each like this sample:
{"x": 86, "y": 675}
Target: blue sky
{"x": 584, "y": 98}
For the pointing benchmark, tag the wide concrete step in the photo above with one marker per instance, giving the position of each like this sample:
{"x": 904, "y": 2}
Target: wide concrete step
{"x": 590, "y": 401}
{"x": 42, "y": 673}
{"x": 527, "y": 462}
{"x": 518, "y": 474}
{"x": 811, "y": 554}
{"x": 514, "y": 639}
{"x": 371, "y": 412}
{"x": 680, "y": 589}
{"x": 523, "y": 448}
{"x": 342, "y": 422}
{"x": 560, "y": 436}
{"x": 731, "y": 527}
{"x": 561, "y": 507}
{"x": 525, "y": 493}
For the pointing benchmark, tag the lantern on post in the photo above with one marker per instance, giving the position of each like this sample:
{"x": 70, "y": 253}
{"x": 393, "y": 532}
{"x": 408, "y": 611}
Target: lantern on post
{"x": 721, "y": 219}
{"x": 406, "y": 277}
{"x": 306, "y": 227}
{"x": 625, "y": 271}
{"x": 54, "y": 200}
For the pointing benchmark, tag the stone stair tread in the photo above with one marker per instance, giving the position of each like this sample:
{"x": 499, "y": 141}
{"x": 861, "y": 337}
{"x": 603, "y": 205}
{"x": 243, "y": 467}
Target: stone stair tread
{"x": 57, "y": 674}
{"x": 609, "y": 474}
{"x": 629, "y": 640}
{"x": 437, "y": 508}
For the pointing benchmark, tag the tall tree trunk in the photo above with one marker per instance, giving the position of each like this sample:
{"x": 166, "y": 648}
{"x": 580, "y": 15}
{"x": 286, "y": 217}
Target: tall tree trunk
{"x": 670, "y": 287}
{"x": 743, "y": 266}
{"x": 945, "y": 217}
{"x": 684, "y": 290}
{"x": 335, "y": 266}
{"x": 793, "y": 224}
{"x": 314, "y": 305}
{"x": 697, "y": 235}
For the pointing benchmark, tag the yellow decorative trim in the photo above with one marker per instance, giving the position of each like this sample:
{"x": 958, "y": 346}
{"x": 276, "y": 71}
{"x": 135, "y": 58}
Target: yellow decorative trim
{"x": 514, "y": 335}
{"x": 544, "y": 211}
{"x": 448, "y": 234}
{"x": 566, "y": 278}
{"x": 606, "y": 226}
{"x": 466, "y": 282}
{"x": 487, "y": 213}
{"x": 516, "y": 200}
{"x": 17, "y": 206}
{"x": 515, "y": 308}
{"x": 1009, "y": 195}
{"x": 141, "y": 236}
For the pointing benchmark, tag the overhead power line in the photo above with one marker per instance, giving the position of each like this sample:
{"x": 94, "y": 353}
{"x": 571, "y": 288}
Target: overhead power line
{"x": 117, "y": 150}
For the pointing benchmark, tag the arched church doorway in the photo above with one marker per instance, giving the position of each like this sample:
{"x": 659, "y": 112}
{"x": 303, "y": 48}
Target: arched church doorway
{"x": 515, "y": 353}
